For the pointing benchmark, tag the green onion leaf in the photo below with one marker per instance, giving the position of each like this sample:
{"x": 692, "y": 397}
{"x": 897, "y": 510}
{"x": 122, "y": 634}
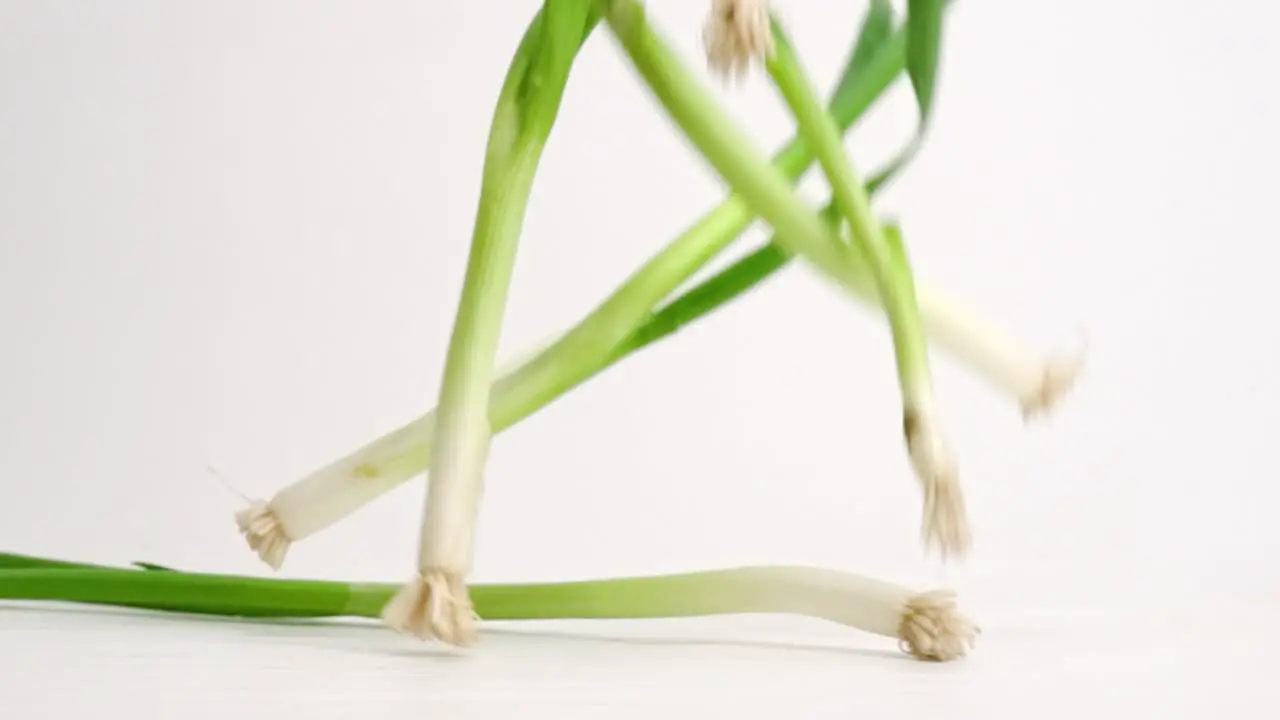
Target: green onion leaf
{"x": 924, "y": 40}
{"x": 877, "y": 29}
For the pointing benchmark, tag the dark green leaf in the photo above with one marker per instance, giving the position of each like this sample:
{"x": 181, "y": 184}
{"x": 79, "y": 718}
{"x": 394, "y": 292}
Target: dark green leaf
{"x": 924, "y": 35}
{"x": 10, "y": 561}
{"x": 877, "y": 27}
{"x": 924, "y": 39}
{"x": 153, "y": 567}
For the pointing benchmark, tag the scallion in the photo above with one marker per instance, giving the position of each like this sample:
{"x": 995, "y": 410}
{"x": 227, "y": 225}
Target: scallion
{"x": 734, "y": 157}
{"x": 435, "y": 603}
{"x": 638, "y": 314}
{"x": 927, "y": 625}
{"x": 451, "y": 443}
{"x": 945, "y": 524}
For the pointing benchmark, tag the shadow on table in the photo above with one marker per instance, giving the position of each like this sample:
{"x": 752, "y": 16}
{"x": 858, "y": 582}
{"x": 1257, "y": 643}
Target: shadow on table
{"x": 356, "y": 634}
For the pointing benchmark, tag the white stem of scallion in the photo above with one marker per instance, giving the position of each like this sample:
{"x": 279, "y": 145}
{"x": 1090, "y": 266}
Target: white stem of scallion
{"x": 928, "y": 625}
{"x": 1038, "y": 382}
{"x": 435, "y": 604}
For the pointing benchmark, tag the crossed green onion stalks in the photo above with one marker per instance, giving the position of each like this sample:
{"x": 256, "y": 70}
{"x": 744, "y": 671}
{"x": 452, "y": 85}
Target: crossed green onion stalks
{"x": 845, "y": 242}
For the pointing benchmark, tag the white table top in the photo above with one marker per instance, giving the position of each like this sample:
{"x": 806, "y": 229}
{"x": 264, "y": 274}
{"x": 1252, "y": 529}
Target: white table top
{"x": 65, "y": 662}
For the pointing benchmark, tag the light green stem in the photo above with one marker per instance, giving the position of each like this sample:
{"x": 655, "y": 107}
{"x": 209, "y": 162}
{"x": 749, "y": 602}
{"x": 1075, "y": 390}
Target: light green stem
{"x": 754, "y": 589}
{"x": 462, "y": 430}
{"x": 523, "y": 120}
{"x": 927, "y": 625}
{"x": 896, "y": 291}
{"x": 726, "y": 147}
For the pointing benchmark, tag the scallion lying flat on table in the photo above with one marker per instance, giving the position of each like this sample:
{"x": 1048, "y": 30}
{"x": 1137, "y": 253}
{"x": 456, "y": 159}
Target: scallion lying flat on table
{"x": 927, "y": 625}
{"x": 639, "y": 314}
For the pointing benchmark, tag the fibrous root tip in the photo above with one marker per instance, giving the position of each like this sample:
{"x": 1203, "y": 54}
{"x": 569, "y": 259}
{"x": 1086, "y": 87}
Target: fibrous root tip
{"x": 1059, "y": 377}
{"x": 434, "y": 605}
{"x": 945, "y": 521}
{"x": 736, "y": 33}
{"x": 933, "y": 629}
{"x": 263, "y": 532}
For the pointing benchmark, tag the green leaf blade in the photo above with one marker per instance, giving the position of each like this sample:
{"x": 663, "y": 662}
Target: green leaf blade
{"x": 924, "y": 41}
{"x": 877, "y": 28}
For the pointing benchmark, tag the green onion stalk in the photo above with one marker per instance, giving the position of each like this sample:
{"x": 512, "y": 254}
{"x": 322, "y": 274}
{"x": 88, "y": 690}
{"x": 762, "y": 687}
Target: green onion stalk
{"x": 927, "y": 625}
{"x": 642, "y": 312}
{"x": 732, "y": 154}
{"x": 435, "y": 603}
{"x": 945, "y": 522}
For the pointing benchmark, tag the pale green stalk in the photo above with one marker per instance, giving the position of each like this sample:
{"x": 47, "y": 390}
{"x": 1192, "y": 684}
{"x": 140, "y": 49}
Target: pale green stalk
{"x": 435, "y": 604}
{"x": 821, "y": 134}
{"x": 927, "y": 625}
{"x": 945, "y": 524}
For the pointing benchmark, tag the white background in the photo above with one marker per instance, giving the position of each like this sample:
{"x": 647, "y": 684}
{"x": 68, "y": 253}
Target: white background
{"x": 233, "y": 234}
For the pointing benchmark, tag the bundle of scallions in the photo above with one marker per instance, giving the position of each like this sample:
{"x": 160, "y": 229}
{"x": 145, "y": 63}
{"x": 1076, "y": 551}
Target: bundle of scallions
{"x": 846, "y": 242}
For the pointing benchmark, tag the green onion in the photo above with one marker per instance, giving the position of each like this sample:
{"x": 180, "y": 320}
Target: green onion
{"x": 945, "y": 522}
{"x": 435, "y": 603}
{"x": 731, "y": 153}
{"x": 452, "y": 443}
{"x": 636, "y": 316}
{"x": 926, "y": 625}
{"x": 618, "y": 327}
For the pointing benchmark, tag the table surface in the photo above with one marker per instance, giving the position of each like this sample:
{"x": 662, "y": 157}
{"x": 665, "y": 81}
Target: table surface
{"x": 61, "y": 661}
